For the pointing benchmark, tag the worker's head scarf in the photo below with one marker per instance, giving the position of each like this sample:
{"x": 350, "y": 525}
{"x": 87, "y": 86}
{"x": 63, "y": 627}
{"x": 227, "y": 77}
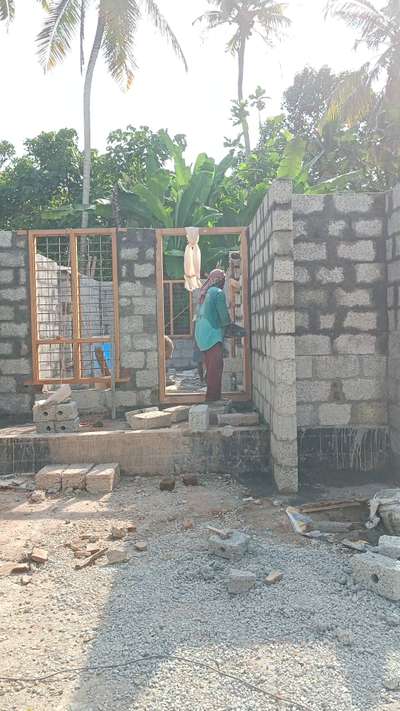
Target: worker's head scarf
{"x": 215, "y": 277}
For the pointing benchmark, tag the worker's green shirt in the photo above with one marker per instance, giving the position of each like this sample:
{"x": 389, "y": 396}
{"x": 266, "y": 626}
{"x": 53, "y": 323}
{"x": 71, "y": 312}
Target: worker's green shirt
{"x": 212, "y": 319}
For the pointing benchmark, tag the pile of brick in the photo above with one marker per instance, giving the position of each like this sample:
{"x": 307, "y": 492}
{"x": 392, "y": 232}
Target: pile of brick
{"x": 56, "y": 417}
{"x": 96, "y": 479}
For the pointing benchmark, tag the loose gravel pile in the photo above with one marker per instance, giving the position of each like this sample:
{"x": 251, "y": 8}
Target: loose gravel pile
{"x": 314, "y": 638}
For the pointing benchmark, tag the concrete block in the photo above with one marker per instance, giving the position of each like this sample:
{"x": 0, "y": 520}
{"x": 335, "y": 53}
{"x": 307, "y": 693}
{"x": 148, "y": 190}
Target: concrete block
{"x": 361, "y": 320}
{"x": 363, "y": 389}
{"x": 337, "y": 366}
{"x": 5, "y": 239}
{"x": 308, "y": 204}
{"x": 389, "y": 546}
{"x": 283, "y": 347}
{"x": 286, "y": 478}
{"x": 370, "y": 413}
{"x": 132, "y": 324}
{"x": 283, "y": 269}
{"x": 336, "y": 228}
{"x": 284, "y": 427}
{"x": 312, "y": 345}
{"x": 368, "y": 228}
{"x": 282, "y": 220}
{"x": 239, "y": 419}
{"x": 8, "y": 384}
{"x": 362, "y": 344}
{"x": 16, "y": 366}
{"x": 179, "y": 413}
{"x": 353, "y": 202}
{"x": 74, "y": 476}
{"x": 151, "y": 420}
{"x": 370, "y": 273}
{"x": 302, "y": 320}
{"x": 393, "y": 271}
{"x": 67, "y": 425}
{"x": 281, "y": 192}
{"x": 282, "y": 294}
{"x": 301, "y": 275}
{"x": 374, "y": 366}
{"x": 143, "y": 271}
{"x": 134, "y": 360}
{"x": 66, "y": 411}
{"x": 357, "y": 297}
{"x": 307, "y": 415}
{"x": 305, "y": 297}
{"x": 199, "y": 418}
{"x": 232, "y": 548}
{"x": 45, "y": 427}
{"x": 334, "y": 414}
{"x": 334, "y": 275}
{"x": 360, "y": 251}
{"x": 284, "y": 321}
{"x": 378, "y": 573}
{"x": 147, "y": 378}
{"x": 309, "y": 251}
{"x": 304, "y": 367}
{"x": 327, "y": 321}
{"x": 240, "y": 581}
{"x": 49, "y": 477}
{"x": 6, "y": 312}
{"x": 103, "y": 478}
{"x": 313, "y": 391}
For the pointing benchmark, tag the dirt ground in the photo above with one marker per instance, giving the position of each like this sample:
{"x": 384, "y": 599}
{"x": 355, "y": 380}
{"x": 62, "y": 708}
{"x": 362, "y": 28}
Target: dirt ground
{"x": 52, "y": 621}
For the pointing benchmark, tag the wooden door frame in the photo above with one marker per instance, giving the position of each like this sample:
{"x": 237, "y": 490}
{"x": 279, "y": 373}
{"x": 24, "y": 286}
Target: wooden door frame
{"x": 187, "y": 398}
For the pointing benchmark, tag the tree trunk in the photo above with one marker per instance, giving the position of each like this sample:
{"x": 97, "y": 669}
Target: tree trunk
{"x": 87, "y": 95}
{"x": 245, "y": 125}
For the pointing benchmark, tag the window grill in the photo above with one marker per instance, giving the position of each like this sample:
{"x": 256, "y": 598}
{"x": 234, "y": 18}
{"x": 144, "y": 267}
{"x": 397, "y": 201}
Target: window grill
{"x": 74, "y": 298}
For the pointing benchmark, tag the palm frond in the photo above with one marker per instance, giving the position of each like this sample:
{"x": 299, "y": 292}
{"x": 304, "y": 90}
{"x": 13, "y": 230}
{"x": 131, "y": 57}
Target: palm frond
{"x": 213, "y": 18}
{"x": 55, "y": 38}
{"x": 364, "y": 17}
{"x": 7, "y": 10}
{"x": 120, "y": 24}
{"x": 165, "y": 29}
{"x": 352, "y": 99}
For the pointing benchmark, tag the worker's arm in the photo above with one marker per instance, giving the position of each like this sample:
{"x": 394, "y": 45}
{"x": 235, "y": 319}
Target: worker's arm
{"x": 222, "y": 310}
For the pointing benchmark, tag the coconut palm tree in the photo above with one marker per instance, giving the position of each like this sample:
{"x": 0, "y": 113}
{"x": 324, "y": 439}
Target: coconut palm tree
{"x": 115, "y": 33}
{"x": 248, "y": 17}
{"x": 376, "y": 85}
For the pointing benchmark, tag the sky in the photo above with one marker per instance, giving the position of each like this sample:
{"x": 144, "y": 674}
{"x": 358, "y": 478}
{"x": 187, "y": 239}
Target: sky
{"x": 196, "y": 103}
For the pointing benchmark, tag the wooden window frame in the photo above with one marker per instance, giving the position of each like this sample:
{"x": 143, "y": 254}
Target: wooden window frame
{"x": 188, "y": 398}
{"x": 177, "y": 336}
{"x": 76, "y": 340}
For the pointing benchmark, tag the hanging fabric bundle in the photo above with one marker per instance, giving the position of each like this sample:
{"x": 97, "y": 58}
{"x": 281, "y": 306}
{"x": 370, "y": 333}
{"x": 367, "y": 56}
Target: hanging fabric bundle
{"x": 192, "y": 259}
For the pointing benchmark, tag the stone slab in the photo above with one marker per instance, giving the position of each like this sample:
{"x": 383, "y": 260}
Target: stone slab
{"x": 103, "y": 478}
{"x": 378, "y": 573}
{"x": 152, "y": 420}
{"x": 74, "y": 476}
{"x": 389, "y": 546}
{"x": 239, "y": 419}
{"x": 49, "y": 477}
{"x": 179, "y": 413}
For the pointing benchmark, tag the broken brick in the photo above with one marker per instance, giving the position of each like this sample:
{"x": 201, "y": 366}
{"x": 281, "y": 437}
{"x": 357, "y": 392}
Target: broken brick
{"x": 39, "y": 555}
{"x": 115, "y": 555}
{"x": 188, "y": 524}
{"x": 275, "y": 576}
{"x": 11, "y": 568}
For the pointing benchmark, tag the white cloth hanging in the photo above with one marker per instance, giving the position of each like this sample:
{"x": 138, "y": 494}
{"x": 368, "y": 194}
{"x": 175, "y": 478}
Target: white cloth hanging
{"x": 192, "y": 259}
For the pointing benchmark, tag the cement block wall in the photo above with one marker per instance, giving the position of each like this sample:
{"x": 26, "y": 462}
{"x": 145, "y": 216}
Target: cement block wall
{"x": 393, "y": 305}
{"x": 273, "y": 328}
{"x": 16, "y": 399}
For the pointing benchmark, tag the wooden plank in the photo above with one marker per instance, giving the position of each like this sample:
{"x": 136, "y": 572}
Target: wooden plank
{"x": 60, "y": 340}
{"x": 75, "y": 306}
{"x": 332, "y": 505}
{"x": 244, "y": 255}
{"x": 92, "y": 558}
{"x": 117, "y": 336}
{"x": 33, "y": 297}
{"x": 160, "y": 313}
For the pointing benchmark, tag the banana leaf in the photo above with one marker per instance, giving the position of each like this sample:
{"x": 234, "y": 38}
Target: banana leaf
{"x": 293, "y": 157}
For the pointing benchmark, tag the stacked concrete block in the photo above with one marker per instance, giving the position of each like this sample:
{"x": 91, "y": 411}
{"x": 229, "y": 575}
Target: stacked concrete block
{"x": 15, "y": 336}
{"x": 61, "y": 417}
{"x": 103, "y": 478}
{"x": 138, "y": 319}
{"x": 273, "y": 328}
{"x": 378, "y": 573}
{"x": 340, "y": 302}
{"x": 151, "y": 420}
{"x": 99, "y": 479}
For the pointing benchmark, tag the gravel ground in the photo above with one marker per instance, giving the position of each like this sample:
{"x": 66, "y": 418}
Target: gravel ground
{"x": 315, "y": 639}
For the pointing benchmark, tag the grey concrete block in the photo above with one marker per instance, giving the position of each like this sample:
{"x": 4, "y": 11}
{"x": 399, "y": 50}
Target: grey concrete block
{"x": 364, "y": 389}
{"x": 179, "y": 413}
{"x": 143, "y": 271}
{"x": 132, "y": 324}
{"x": 284, "y": 321}
{"x": 308, "y": 204}
{"x": 286, "y": 478}
{"x": 232, "y": 548}
{"x": 239, "y": 419}
{"x": 389, "y": 546}
{"x": 327, "y": 321}
{"x": 67, "y": 425}
{"x": 370, "y": 413}
{"x": 135, "y": 359}
{"x": 45, "y": 427}
{"x": 66, "y": 411}
{"x": 199, "y": 418}
{"x": 353, "y": 202}
{"x": 309, "y": 251}
{"x": 103, "y": 478}
{"x": 312, "y": 345}
{"x": 337, "y": 366}
{"x": 332, "y": 275}
{"x": 240, "y": 581}
{"x": 368, "y": 228}
{"x": 334, "y": 414}
{"x": 41, "y": 414}
{"x": 313, "y": 391}
{"x": 336, "y": 228}
{"x": 147, "y": 378}
{"x": 370, "y": 273}
{"x": 283, "y": 269}
{"x": 8, "y": 384}
{"x": 356, "y": 297}
{"x": 5, "y": 239}
{"x": 360, "y": 251}
{"x": 361, "y": 320}
{"x": 129, "y": 253}
{"x": 378, "y": 573}
{"x": 301, "y": 275}
{"x": 362, "y": 344}
{"x": 304, "y": 367}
